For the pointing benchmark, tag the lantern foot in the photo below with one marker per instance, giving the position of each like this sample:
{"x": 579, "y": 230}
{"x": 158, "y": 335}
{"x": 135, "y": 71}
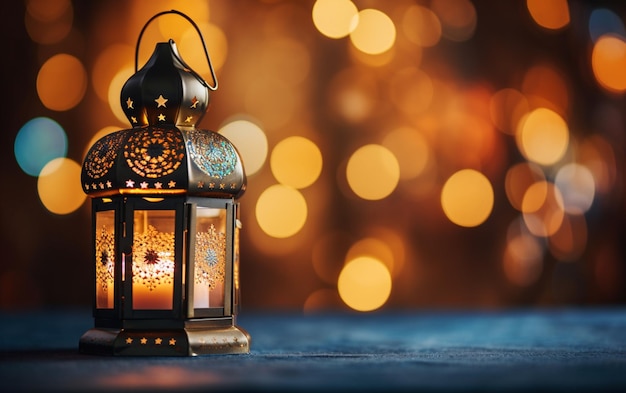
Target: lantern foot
{"x": 190, "y": 341}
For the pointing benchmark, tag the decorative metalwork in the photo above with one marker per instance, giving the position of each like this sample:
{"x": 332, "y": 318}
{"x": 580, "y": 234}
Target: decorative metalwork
{"x": 102, "y": 155}
{"x": 105, "y": 257}
{"x": 210, "y": 260}
{"x": 153, "y": 258}
{"x": 154, "y": 152}
{"x": 212, "y": 153}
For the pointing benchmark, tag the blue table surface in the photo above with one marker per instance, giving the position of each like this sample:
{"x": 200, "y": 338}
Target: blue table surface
{"x": 581, "y": 349}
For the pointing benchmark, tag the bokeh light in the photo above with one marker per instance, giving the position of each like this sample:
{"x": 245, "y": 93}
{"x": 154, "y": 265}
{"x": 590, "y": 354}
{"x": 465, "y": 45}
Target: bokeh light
{"x": 553, "y": 14}
{"x": 604, "y": 21}
{"x": 519, "y": 178}
{"x": 373, "y": 172}
{"x": 335, "y": 18}
{"x": 458, "y": 18}
{"x": 364, "y": 284}
{"x": 599, "y": 157}
{"x": 296, "y": 161}
{"x": 374, "y": 248}
{"x": 38, "y": 142}
{"x": 467, "y": 198}
{"x": 375, "y": 32}
{"x": 523, "y": 259}
{"x": 608, "y": 61}
{"x": 59, "y": 186}
{"x": 542, "y": 208}
{"x": 421, "y": 26}
{"x": 48, "y": 21}
{"x": 411, "y": 149}
{"x": 353, "y": 94}
{"x": 542, "y": 136}
{"x": 61, "y": 82}
{"x": 577, "y": 188}
{"x": 250, "y": 141}
{"x": 281, "y": 211}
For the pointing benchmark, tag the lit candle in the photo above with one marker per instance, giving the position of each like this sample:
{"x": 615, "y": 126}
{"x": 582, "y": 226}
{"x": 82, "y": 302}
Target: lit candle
{"x": 200, "y": 295}
{"x": 159, "y": 297}
{"x": 153, "y": 287}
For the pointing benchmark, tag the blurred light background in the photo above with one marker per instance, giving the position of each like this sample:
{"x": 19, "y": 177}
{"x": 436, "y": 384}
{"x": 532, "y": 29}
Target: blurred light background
{"x": 400, "y": 154}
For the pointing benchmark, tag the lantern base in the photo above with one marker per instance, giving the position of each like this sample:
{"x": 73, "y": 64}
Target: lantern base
{"x": 189, "y": 341}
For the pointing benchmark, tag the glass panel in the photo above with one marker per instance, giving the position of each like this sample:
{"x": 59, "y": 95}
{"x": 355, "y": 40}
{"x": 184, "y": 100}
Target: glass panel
{"x": 210, "y": 258}
{"x": 105, "y": 258}
{"x": 153, "y": 259}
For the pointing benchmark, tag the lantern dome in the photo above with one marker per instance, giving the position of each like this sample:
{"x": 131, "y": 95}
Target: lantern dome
{"x": 164, "y": 152}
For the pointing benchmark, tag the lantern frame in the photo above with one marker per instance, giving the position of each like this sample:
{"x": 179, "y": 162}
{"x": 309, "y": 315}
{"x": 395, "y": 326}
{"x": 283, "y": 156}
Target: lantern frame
{"x": 163, "y": 276}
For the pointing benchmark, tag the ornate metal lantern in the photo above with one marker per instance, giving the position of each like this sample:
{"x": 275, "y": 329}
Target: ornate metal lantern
{"x": 165, "y": 219}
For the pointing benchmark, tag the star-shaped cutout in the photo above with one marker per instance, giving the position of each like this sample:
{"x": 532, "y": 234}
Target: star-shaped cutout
{"x": 143, "y": 184}
{"x": 172, "y": 341}
{"x": 161, "y": 117}
{"x": 158, "y": 341}
{"x": 144, "y": 341}
{"x": 101, "y": 185}
{"x": 161, "y": 101}
{"x": 129, "y": 103}
{"x": 94, "y": 186}
{"x": 86, "y": 186}
{"x": 158, "y": 185}
{"x": 200, "y": 184}
{"x": 171, "y": 184}
{"x": 222, "y": 186}
{"x": 233, "y": 186}
{"x": 188, "y": 119}
{"x": 129, "y": 340}
{"x": 109, "y": 185}
{"x": 211, "y": 185}
{"x": 194, "y": 102}
{"x": 130, "y": 183}
{"x": 133, "y": 119}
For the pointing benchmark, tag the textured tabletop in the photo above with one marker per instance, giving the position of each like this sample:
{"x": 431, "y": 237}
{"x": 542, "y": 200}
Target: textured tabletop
{"x": 514, "y": 350}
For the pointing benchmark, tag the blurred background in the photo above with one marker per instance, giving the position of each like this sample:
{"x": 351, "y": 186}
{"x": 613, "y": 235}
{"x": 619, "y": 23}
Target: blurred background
{"x": 400, "y": 154}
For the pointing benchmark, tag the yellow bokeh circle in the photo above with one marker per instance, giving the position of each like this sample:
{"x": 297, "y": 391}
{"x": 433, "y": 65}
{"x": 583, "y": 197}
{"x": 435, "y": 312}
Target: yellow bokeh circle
{"x": 543, "y": 136}
{"x": 59, "y": 186}
{"x": 467, "y": 198}
{"x": 281, "y": 211}
{"x": 296, "y": 162}
{"x": 373, "y": 172}
{"x": 335, "y": 18}
{"x": 61, "y": 82}
{"x": 375, "y": 33}
{"x": 364, "y": 284}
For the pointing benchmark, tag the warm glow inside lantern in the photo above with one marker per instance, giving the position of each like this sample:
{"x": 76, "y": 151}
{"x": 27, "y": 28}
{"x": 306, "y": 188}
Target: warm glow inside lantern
{"x": 165, "y": 220}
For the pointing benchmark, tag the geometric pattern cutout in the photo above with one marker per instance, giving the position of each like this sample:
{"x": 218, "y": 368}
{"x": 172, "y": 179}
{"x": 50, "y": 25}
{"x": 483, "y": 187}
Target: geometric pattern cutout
{"x": 210, "y": 260}
{"x": 212, "y": 153}
{"x": 154, "y": 152}
{"x": 102, "y": 155}
{"x": 153, "y": 258}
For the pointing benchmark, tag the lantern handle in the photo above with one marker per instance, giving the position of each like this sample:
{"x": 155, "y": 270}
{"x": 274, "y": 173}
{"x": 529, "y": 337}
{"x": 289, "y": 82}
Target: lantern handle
{"x": 171, "y": 42}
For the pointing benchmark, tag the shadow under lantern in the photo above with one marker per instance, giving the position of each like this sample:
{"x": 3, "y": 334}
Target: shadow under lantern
{"x": 165, "y": 220}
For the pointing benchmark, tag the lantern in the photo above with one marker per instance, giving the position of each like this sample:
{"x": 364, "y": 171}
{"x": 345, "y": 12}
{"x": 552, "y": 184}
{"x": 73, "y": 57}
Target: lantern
{"x": 165, "y": 219}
